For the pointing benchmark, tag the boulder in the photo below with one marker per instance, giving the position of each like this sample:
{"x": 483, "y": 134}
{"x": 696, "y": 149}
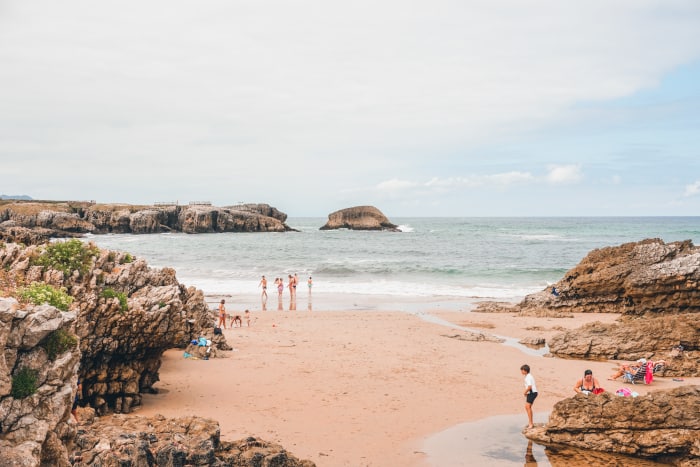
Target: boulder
{"x": 655, "y": 286}
{"x": 662, "y": 425}
{"x": 133, "y": 440}
{"x": 359, "y": 218}
{"x": 646, "y": 277}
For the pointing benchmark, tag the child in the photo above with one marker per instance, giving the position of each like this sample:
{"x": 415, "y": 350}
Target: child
{"x": 530, "y": 393}
{"x": 247, "y": 317}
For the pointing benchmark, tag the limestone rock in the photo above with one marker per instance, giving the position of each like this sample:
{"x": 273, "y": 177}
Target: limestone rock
{"x": 662, "y": 425}
{"x": 132, "y": 440}
{"x": 359, "y": 218}
{"x": 654, "y": 285}
{"x": 126, "y": 315}
{"x": 73, "y": 218}
{"x": 652, "y": 338}
{"x": 649, "y": 276}
{"x": 32, "y": 426}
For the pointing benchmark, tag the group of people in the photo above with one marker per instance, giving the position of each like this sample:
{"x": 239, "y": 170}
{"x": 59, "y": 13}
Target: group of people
{"x": 234, "y": 320}
{"x": 588, "y": 384}
{"x": 292, "y": 283}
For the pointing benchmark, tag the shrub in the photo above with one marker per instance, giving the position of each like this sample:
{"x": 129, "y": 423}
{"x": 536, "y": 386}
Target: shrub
{"x": 58, "y": 342}
{"x": 111, "y": 293}
{"x": 127, "y": 258}
{"x": 24, "y": 383}
{"x": 39, "y": 293}
{"x": 68, "y": 256}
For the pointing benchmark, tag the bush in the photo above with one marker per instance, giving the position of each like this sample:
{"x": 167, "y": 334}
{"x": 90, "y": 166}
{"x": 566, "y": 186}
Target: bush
{"x": 111, "y": 293}
{"x": 127, "y": 259}
{"x": 58, "y": 342}
{"x": 39, "y": 293}
{"x": 68, "y": 256}
{"x": 24, "y": 383}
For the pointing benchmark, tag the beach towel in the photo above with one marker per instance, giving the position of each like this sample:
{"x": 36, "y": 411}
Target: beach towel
{"x": 649, "y": 376}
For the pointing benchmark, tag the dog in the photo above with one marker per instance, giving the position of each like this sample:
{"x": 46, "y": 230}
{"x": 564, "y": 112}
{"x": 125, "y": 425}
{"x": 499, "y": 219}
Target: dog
{"x": 235, "y": 319}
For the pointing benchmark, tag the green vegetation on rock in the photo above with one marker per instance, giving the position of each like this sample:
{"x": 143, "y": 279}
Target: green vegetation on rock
{"x": 24, "y": 383}
{"x": 68, "y": 256}
{"x": 111, "y": 293}
{"x": 39, "y": 293}
{"x": 58, "y": 342}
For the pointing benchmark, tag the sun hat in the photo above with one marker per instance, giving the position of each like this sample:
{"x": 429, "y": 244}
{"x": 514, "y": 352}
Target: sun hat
{"x": 642, "y": 360}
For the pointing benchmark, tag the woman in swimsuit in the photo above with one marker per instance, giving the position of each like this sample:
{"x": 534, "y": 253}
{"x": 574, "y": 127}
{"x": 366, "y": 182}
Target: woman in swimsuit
{"x": 222, "y": 314}
{"x": 587, "y": 384}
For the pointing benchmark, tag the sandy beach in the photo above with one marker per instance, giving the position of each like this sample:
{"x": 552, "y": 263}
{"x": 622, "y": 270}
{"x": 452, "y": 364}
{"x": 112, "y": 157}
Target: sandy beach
{"x": 367, "y": 388}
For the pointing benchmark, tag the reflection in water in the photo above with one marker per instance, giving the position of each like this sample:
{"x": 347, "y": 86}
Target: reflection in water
{"x": 499, "y": 441}
{"x": 530, "y": 460}
{"x": 264, "y": 305}
{"x": 280, "y": 307}
{"x": 292, "y": 304}
{"x": 309, "y": 305}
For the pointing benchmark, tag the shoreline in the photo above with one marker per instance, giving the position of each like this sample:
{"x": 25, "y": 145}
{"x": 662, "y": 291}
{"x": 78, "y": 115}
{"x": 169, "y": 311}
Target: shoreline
{"x": 359, "y": 388}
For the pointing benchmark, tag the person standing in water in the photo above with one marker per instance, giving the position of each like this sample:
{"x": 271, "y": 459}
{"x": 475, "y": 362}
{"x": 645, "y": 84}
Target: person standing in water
{"x": 530, "y": 393}
{"x": 263, "y": 284}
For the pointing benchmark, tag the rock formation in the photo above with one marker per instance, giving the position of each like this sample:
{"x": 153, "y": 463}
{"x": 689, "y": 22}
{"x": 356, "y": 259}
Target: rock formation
{"x": 36, "y": 386}
{"x": 36, "y": 427}
{"x": 127, "y": 315}
{"x": 662, "y": 425}
{"x": 654, "y": 285}
{"x": 136, "y": 441}
{"x": 359, "y": 218}
{"x": 63, "y": 219}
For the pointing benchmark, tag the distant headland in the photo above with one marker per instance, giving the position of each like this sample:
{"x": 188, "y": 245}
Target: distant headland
{"x": 45, "y": 219}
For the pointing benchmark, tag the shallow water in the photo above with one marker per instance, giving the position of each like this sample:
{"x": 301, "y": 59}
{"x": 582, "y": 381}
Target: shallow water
{"x": 499, "y": 441}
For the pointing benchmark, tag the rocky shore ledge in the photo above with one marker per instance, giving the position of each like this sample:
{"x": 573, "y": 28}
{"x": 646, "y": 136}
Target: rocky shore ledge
{"x": 35, "y": 221}
{"x": 108, "y": 320}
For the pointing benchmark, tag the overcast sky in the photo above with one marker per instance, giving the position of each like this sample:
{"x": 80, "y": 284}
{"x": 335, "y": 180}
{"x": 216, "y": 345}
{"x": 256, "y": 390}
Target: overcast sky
{"x": 420, "y": 108}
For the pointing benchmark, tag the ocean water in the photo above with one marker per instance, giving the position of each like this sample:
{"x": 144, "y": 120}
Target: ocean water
{"x": 446, "y": 261}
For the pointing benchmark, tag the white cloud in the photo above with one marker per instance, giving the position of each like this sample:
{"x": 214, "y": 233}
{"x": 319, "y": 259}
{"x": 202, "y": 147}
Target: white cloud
{"x": 692, "y": 189}
{"x": 266, "y": 99}
{"x": 564, "y": 174}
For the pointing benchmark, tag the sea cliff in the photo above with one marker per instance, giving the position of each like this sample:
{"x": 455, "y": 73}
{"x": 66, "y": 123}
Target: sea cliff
{"x": 65, "y": 219}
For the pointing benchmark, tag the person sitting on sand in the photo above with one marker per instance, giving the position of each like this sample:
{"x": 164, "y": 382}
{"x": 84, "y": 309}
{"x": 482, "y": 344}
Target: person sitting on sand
{"x": 588, "y": 384}
{"x": 628, "y": 368}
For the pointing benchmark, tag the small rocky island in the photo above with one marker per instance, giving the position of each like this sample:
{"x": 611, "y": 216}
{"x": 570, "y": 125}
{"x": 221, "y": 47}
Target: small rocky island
{"x": 359, "y": 218}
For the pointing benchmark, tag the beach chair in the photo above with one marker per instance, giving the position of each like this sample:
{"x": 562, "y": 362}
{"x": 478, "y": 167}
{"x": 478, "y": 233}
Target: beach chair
{"x": 645, "y": 373}
{"x": 636, "y": 376}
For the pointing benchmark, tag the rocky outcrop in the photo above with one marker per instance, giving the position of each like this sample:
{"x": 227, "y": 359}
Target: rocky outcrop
{"x": 359, "y": 218}
{"x": 114, "y": 347}
{"x": 652, "y": 338}
{"x": 646, "y": 277}
{"x": 662, "y": 425}
{"x": 127, "y": 315}
{"x": 36, "y": 386}
{"x": 132, "y": 440}
{"x": 74, "y": 218}
{"x": 654, "y": 285}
